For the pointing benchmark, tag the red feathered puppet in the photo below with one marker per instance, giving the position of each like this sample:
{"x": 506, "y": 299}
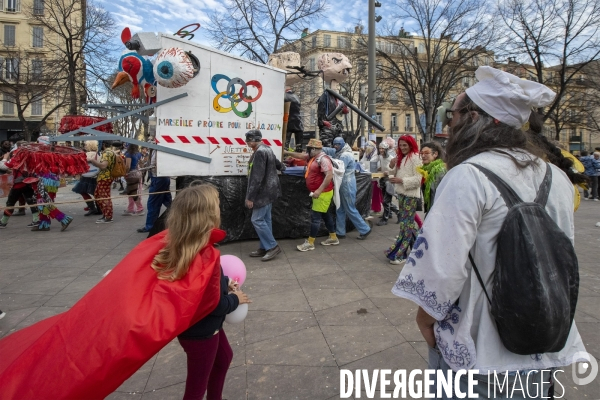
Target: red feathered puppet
{"x": 90, "y": 350}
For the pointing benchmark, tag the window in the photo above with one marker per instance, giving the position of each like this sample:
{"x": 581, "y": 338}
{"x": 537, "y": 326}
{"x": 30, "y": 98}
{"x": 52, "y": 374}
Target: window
{"x": 313, "y": 116}
{"x": 362, "y": 66}
{"x": 314, "y": 41}
{"x": 8, "y": 105}
{"x": 408, "y": 122}
{"x": 311, "y": 93}
{"x": 379, "y": 95}
{"x": 327, "y": 40}
{"x": 341, "y": 42}
{"x": 394, "y": 96}
{"x": 421, "y": 48}
{"x": 379, "y": 70}
{"x": 38, "y": 36}
{"x": 36, "y": 107}
{"x": 394, "y": 120}
{"x": 311, "y": 64}
{"x": 36, "y": 68}
{"x": 9, "y": 35}
{"x": 12, "y": 5}
{"x": 466, "y": 81}
{"x": 38, "y": 7}
{"x": 12, "y": 69}
{"x": 379, "y": 118}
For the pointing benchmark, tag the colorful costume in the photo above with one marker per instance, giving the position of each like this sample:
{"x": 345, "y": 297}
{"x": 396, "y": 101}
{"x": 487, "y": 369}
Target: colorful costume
{"x": 90, "y": 350}
{"x": 409, "y": 193}
{"x": 45, "y": 190}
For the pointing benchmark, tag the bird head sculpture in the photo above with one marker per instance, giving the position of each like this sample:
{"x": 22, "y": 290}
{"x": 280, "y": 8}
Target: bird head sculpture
{"x": 135, "y": 69}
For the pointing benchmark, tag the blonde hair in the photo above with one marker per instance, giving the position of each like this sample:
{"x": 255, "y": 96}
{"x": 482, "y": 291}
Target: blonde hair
{"x": 91, "y": 145}
{"x": 192, "y": 216}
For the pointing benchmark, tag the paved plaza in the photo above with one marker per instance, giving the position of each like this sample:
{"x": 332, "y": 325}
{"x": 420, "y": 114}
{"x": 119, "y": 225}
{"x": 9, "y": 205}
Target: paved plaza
{"x": 312, "y": 313}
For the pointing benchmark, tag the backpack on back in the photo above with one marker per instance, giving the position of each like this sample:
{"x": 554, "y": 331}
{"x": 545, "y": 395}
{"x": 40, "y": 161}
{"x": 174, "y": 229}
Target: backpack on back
{"x": 118, "y": 169}
{"x": 536, "y": 275}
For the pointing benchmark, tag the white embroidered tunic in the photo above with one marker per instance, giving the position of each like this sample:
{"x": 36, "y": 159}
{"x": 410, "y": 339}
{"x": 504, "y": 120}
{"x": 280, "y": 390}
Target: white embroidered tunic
{"x": 467, "y": 216}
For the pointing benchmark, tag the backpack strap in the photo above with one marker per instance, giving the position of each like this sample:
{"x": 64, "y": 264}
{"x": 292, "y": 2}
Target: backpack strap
{"x": 479, "y": 277}
{"x": 508, "y": 194}
{"x": 544, "y": 190}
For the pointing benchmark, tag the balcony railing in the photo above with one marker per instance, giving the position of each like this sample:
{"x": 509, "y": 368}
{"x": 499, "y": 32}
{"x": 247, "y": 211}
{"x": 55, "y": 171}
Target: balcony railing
{"x": 408, "y": 128}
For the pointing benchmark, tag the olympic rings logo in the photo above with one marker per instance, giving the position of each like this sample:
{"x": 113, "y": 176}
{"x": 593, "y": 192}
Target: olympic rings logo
{"x": 182, "y": 33}
{"x": 234, "y": 96}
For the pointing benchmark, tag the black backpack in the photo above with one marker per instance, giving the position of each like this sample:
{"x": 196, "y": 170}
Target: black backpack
{"x": 536, "y": 276}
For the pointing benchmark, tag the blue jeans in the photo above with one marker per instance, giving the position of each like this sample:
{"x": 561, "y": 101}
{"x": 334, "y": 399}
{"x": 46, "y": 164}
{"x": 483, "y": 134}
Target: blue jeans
{"x": 155, "y": 201}
{"x": 315, "y": 222}
{"x": 261, "y": 219}
{"x": 536, "y": 385}
{"x": 348, "y": 207}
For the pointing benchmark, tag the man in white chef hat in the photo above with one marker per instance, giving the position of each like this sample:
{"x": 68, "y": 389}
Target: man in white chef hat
{"x": 462, "y": 230}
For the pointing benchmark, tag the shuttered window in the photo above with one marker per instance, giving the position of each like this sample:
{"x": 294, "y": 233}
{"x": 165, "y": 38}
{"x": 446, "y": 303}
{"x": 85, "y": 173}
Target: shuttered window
{"x": 38, "y": 36}
{"x": 9, "y": 35}
{"x": 8, "y": 105}
{"x": 36, "y": 68}
{"x": 36, "y": 107}
{"x": 38, "y": 7}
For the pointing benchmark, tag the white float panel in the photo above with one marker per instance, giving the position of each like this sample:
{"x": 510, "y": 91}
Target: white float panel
{"x": 196, "y": 124}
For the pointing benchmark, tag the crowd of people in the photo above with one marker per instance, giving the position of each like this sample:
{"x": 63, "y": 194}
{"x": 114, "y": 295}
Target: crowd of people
{"x": 496, "y": 165}
{"x": 111, "y": 164}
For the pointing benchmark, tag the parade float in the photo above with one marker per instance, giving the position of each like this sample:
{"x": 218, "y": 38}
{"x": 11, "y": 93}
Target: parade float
{"x": 204, "y": 101}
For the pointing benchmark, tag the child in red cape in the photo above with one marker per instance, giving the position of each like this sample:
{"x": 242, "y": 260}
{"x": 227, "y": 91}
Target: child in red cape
{"x": 164, "y": 285}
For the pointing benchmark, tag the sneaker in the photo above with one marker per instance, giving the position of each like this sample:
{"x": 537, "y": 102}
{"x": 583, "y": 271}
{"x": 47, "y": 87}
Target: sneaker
{"x": 104, "y": 221}
{"x": 306, "y": 246}
{"x": 596, "y": 200}
{"x": 395, "y": 262}
{"x": 143, "y": 230}
{"x": 36, "y": 228}
{"x": 2, "y": 314}
{"x": 585, "y": 198}
{"x": 330, "y": 242}
{"x": 127, "y": 213}
{"x": 19, "y": 213}
{"x": 140, "y": 213}
{"x": 3, "y": 226}
{"x": 363, "y": 237}
{"x": 258, "y": 253}
{"x": 269, "y": 255}
{"x": 32, "y": 224}
{"x": 382, "y": 222}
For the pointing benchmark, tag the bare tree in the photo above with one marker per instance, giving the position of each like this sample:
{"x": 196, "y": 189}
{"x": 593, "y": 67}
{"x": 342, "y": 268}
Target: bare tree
{"x": 131, "y": 126}
{"x": 558, "y": 33}
{"x": 449, "y": 39}
{"x": 257, "y": 28}
{"x": 81, "y": 35}
{"x": 32, "y": 84}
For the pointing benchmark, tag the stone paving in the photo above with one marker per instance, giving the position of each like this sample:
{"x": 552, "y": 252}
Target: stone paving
{"x": 312, "y": 313}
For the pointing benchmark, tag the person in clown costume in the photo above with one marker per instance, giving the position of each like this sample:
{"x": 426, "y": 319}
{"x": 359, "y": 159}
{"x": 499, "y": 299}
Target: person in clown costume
{"x": 45, "y": 186}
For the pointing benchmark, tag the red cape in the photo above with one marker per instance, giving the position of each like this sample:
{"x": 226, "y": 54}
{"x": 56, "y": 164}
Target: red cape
{"x": 90, "y": 350}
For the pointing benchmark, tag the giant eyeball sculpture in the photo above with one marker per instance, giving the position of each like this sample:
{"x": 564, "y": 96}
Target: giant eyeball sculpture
{"x": 174, "y": 67}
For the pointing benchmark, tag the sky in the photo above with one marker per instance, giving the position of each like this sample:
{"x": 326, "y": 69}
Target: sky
{"x": 170, "y": 16}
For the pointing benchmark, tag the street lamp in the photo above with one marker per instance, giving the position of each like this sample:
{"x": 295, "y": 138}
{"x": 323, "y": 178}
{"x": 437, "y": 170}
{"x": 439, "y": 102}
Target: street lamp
{"x": 371, "y": 85}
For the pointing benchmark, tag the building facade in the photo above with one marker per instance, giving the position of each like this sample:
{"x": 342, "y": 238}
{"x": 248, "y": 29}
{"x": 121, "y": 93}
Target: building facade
{"x": 31, "y": 77}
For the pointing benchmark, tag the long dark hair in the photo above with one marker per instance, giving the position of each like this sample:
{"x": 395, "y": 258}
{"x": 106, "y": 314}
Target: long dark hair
{"x": 552, "y": 153}
{"x": 470, "y": 137}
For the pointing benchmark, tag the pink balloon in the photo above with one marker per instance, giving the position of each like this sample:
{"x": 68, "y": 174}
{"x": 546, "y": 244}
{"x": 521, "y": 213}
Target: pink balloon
{"x": 234, "y": 268}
